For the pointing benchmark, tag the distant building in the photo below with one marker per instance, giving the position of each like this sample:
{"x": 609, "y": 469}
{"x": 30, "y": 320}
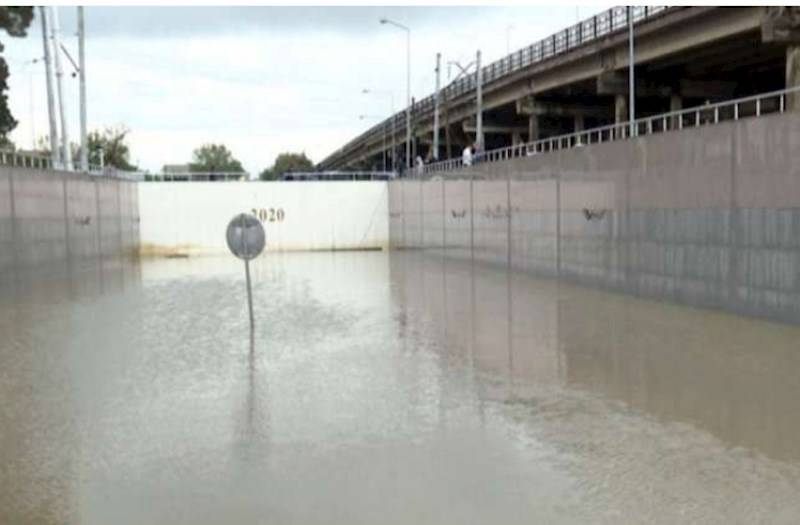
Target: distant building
{"x": 175, "y": 168}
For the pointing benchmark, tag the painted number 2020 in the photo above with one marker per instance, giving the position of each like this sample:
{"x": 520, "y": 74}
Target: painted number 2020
{"x": 269, "y": 214}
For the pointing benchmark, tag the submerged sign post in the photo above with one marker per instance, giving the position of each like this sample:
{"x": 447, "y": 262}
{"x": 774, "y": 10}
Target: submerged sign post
{"x": 246, "y": 239}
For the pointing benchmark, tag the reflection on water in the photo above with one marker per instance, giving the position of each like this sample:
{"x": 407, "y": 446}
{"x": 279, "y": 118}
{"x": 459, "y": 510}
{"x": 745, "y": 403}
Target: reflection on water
{"x": 396, "y": 388}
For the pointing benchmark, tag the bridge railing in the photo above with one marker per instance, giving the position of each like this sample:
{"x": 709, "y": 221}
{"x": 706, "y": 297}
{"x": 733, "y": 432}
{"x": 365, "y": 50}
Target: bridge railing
{"x": 598, "y": 26}
{"x": 25, "y": 159}
{"x": 196, "y": 176}
{"x": 42, "y": 161}
{"x": 337, "y": 176}
{"x": 706, "y": 114}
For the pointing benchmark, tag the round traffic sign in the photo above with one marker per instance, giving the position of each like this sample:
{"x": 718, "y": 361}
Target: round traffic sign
{"x": 245, "y": 236}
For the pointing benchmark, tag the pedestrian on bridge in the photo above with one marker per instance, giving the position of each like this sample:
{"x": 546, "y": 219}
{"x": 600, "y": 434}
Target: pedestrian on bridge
{"x": 466, "y": 156}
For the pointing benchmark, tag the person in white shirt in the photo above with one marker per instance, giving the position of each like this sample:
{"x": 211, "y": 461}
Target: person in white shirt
{"x": 420, "y": 166}
{"x": 466, "y": 157}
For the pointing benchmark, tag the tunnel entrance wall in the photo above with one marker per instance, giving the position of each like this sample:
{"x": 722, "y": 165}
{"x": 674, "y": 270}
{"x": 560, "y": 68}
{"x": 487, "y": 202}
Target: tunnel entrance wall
{"x": 189, "y": 218}
{"x": 707, "y": 217}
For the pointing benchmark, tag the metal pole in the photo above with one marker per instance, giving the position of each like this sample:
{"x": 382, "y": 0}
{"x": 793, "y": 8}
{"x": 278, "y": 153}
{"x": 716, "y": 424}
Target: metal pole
{"x": 247, "y": 273}
{"x": 384, "y": 148}
{"x": 65, "y": 153}
{"x": 249, "y": 294}
{"x": 82, "y": 72}
{"x": 394, "y": 150}
{"x": 479, "y": 97}
{"x": 408, "y": 99}
{"x": 436, "y": 110}
{"x": 631, "y": 83}
{"x": 32, "y": 112}
{"x": 51, "y": 110}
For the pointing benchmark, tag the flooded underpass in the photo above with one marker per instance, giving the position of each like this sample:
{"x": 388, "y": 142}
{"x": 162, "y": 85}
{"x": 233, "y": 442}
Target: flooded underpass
{"x": 385, "y": 388}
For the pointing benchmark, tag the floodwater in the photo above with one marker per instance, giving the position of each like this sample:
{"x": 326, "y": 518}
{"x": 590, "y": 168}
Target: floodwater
{"x": 379, "y": 388}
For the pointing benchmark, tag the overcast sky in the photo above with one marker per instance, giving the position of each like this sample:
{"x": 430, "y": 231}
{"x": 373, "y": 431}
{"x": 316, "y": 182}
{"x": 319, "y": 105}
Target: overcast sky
{"x": 261, "y": 80}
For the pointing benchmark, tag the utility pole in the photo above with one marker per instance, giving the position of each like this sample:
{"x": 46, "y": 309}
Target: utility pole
{"x": 447, "y": 146}
{"x": 479, "y": 97}
{"x": 394, "y": 149}
{"x": 631, "y": 94}
{"x": 408, "y": 100}
{"x": 48, "y": 71}
{"x": 82, "y": 73}
{"x": 383, "y": 150}
{"x": 65, "y": 153}
{"x": 436, "y": 110}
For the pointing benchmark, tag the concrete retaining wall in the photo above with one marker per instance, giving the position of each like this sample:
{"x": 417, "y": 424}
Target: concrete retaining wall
{"x": 53, "y": 218}
{"x": 190, "y": 218}
{"x": 707, "y": 216}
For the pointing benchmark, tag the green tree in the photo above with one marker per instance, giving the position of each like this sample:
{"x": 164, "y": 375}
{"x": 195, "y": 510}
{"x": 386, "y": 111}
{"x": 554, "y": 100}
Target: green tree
{"x": 286, "y": 163}
{"x": 15, "y": 20}
{"x": 214, "y": 158}
{"x": 112, "y": 144}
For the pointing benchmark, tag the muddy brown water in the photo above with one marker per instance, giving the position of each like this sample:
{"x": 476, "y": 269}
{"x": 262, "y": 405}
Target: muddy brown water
{"x": 384, "y": 388}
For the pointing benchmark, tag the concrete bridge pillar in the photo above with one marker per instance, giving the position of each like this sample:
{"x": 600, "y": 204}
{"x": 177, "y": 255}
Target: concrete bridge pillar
{"x": 793, "y": 76}
{"x": 533, "y": 128}
{"x": 781, "y": 24}
{"x": 675, "y": 104}
{"x": 579, "y": 122}
{"x": 620, "y": 112}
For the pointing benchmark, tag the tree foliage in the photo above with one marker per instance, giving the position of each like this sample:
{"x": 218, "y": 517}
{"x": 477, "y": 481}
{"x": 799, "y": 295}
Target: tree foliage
{"x": 109, "y": 143}
{"x": 112, "y": 144}
{"x": 286, "y": 163}
{"x": 214, "y": 158}
{"x": 15, "y": 21}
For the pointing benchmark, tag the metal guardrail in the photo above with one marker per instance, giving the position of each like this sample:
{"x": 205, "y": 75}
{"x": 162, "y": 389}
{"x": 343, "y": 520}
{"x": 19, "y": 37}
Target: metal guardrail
{"x": 24, "y": 160}
{"x": 589, "y": 30}
{"x": 191, "y": 176}
{"x": 295, "y": 176}
{"x": 707, "y": 114}
{"x": 338, "y": 175}
{"x": 43, "y": 161}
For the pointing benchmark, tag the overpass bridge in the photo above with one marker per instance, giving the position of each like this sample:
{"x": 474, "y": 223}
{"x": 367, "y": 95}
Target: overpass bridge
{"x": 577, "y": 79}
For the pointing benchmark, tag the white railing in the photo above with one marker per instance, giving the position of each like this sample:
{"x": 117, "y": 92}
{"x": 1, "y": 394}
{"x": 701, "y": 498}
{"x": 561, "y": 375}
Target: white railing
{"x": 707, "y": 114}
{"x": 338, "y": 175}
{"x": 192, "y": 176}
{"x": 24, "y": 160}
{"x": 43, "y": 161}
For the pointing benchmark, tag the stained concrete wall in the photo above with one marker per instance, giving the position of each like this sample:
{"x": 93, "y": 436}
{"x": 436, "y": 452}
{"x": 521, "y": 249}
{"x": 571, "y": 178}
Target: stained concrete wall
{"x": 191, "y": 218}
{"x": 706, "y": 216}
{"x": 50, "y": 218}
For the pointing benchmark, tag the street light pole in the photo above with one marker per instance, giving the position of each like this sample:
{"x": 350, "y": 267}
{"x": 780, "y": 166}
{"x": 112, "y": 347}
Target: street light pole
{"x": 631, "y": 83}
{"x": 66, "y": 159}
{"x": 391, "y": 109}
{"x": 51, "y": 105}
{"x": 408, "y": 86}
{"x": 82, "y": 73}
{"x": 436, "y": 110}
{"x": 479, "y": 102}
{"x": 383, "y": 128}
